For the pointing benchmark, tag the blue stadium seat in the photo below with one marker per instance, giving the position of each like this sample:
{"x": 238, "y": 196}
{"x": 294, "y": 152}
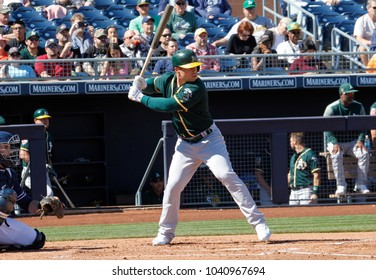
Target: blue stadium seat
{"x": 39, "y": 23}
{"x": 48, "y": 33}
{"x": 119, "y": 11}
{"x": 189, "y": 38}
{"x": 104, "y": 4}
{"x": 65, "y": 20}
{"x": 130, "y": 4}
{"x": 25, "y": 13}
{"x": 224, "y": 21}
{"x": 89, "y": 12}
{"x": 38, "y": 3}
{"x": 101, "y": 22}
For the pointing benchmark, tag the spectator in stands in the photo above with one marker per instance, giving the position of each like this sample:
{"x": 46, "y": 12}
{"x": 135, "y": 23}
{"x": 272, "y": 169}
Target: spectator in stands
{"x": 19, "y": 31}
{"x": 55, "y": 11}
{"x": 162, "y": 5}
{"x": 201, "y": 48}
{"x": 143, "y": 7}
{"x": 147, "y": 33}
{"x": 264, "y": 47}
{"x": 181, "y": 21}
{"x": 4, "y": 21}
{"x": 153, "y": 194}
{"x": 373, "y": 131}
{"x": 80, "y": 36}
{"x": 242, "y": 42}
{"x": 15, "y": 4}
{"x": 304, "y": 174}
{"x": 112, "y": 34}
{"x": 165, "y": 65}
{"x": 68, "y": 4}
{"x": 3, "y": 52}
{"x": 307, "y": 64}
{"x": 208, "y": 8}
{"x": 67, "y": 49}
{"x": 16, "y": 70}
{"x": 340, "y": 143}
{"x": 133, "y": 48}
{"x": 291, "y": 46}
{"x": 259, "y": 23}
{"x": 97, "y": 50}
{"x": 117, "y": 69}
{"x": 163, "y": 43}
{"x": 279, "y": 32}
{"x": 364, "y": 28}
{"x": 32, "y": 50}
{"x": 52, "y": 69}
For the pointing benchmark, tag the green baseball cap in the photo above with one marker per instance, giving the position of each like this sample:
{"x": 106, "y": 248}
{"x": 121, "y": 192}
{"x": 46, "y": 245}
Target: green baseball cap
{"x": 185, "y": 58}
{"x": 41, "y": 114}
{"x": 346, "y": 88}
{"x": 294, "y": 26}
{"x": 249, "y": 4}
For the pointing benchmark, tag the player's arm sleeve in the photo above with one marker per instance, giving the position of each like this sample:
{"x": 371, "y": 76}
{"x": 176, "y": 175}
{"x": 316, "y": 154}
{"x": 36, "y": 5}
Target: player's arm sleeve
{"x": 329, "y": 136}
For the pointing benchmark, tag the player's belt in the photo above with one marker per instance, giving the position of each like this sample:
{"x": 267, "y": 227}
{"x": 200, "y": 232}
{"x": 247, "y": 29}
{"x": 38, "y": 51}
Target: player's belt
{"x": 299, "y": 187}
{"x": 197, "y": 138}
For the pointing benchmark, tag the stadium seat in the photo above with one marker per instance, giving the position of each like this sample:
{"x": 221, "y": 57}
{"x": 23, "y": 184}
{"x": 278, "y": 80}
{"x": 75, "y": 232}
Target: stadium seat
{"x": 48, "y": 33}
{"x": 119, "y": 11}
{"x": 65, "y": 20}
{"x": 102, "y": 22}
{"x": 104, "y": 4}
{"x": 325, "y": 25}
{"x": 25, "y": 13}
{"x": 129, "y": 4}
{"x": 89, "y": 12}
{"x": 39, "y": 23}
{"x": 224, "y": 21}
{"x": 189, "y": 38}
{"x": 38, "y": 3}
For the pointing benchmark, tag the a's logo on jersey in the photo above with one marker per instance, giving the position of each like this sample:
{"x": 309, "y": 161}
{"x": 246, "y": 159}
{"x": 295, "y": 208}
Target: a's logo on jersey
{"x": 186, "y": 94}
{"x": 301, "y": 164}
{"x": 24, "y": 142}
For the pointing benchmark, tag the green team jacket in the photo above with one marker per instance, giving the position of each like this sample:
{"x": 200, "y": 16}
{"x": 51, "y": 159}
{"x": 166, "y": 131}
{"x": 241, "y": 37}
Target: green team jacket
{"x": 337, "y": 109}
{"x": 188, "y": 104}
{"x": 302, "y": 165}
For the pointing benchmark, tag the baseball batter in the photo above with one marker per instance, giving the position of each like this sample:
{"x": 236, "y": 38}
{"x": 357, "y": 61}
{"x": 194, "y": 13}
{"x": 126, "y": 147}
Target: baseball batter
{"x": 183, "y": 94}
{"x": 304, "y": 175}
{"x": 13, "y": 233}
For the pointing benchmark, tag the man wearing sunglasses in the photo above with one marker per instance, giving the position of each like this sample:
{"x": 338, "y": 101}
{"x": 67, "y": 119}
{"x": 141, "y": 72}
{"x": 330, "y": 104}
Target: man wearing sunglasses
{"x": 32, "y": 50}
{"x": 143, "y": 8}
{"x": 291, "y": 46}
{"x": 181, "y": 21}
{"x": 16, "y": 69}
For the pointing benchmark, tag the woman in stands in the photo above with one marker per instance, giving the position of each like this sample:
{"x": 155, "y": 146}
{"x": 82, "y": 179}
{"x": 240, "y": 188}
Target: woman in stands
{"x": 116, "y": 69}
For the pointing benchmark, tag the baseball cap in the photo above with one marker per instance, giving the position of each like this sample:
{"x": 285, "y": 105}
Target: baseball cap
{"x": 143, "y": 2}
{"x": 41, "y": 114}
{"x": 4, "y": 9}
{"x": 32, "y": 33}
{"x": 61, "y": 28}
{"x": 346, "y": 88}
{"x": 50, "y": 42}
{"x": 293, "y": 26}
{"x": 147, "y": 18}
{"x": 264, "y": 38}
{"x": 155, "y": 176}
{"x": 99, "y": 33}
{"x": 249, "y": 4}
{"x": 200, "y": 30}
{"x": 13, "y": 50}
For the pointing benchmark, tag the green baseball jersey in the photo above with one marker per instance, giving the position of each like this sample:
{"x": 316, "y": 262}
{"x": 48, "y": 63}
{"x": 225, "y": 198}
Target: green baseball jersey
{"x": 373, "y": 109}
{"x": 188, "y": 104}
{"x": 338, "y": 109}
{"x": 302, "y": 165}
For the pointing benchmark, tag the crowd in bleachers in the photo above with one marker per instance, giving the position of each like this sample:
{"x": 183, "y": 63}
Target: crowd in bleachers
{"x": 116, "y": 29}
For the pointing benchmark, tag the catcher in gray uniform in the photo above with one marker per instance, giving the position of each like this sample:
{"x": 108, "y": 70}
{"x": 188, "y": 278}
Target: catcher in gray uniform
{"x": 183, "y": 94}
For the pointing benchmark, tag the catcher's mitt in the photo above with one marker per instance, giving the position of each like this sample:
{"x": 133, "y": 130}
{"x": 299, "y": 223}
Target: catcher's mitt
{"x": 51, "y": 204}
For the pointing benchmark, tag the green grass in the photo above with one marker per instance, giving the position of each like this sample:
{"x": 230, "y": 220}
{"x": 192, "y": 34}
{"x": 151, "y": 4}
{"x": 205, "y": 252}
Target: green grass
{"x": 355, "y": 223}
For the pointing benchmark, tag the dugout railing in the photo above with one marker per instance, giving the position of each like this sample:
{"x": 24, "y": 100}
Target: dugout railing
{"x": 264, "y": 144}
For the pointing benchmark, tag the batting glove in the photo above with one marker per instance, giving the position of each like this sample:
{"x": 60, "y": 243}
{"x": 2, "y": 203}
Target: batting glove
{"x": 135, "y": 94}
{"x": 139, "y": 82}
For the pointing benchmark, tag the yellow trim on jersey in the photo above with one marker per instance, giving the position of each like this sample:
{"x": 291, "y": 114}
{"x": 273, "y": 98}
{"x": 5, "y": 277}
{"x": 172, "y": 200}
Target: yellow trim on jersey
{"x": 296, "y": 162}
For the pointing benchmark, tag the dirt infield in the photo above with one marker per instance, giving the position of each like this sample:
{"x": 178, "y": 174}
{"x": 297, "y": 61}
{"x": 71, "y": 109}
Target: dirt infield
{"x": 341, "y": 246}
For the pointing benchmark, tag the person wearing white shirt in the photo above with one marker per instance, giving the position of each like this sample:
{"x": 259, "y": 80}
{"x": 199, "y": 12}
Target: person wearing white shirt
{"x": 291, "y": 46}
{"x": 280, "y": 32}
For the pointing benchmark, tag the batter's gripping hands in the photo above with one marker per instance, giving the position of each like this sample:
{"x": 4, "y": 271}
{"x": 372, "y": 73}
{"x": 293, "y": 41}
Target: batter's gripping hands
{"x": 135, "y": 94}
{"x": 51, "y": 204}
{"x": 139, "y": 82}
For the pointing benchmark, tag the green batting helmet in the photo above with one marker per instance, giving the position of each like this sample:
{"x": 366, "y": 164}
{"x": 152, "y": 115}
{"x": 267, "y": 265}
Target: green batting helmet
{"x": 41, "y": 114}
{"x": 185, "y": 59}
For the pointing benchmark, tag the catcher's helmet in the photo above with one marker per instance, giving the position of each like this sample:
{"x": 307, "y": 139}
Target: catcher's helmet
{"x": 185, "y": 58}
{"x": 9, "y": 149}
{"x": 41, "y": 114}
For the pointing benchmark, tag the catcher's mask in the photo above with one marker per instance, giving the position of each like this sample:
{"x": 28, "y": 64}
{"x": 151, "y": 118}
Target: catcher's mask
{"x": 9, "y": 149}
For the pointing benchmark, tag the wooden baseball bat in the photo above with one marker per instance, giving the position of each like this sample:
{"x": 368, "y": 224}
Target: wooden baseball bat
{"x": 64, "y": 193}
{"x": 162, "y": 25}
